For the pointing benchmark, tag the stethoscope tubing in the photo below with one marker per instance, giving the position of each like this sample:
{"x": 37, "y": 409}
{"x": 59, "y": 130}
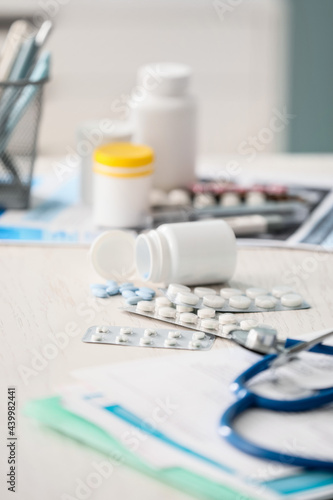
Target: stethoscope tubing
{"x": 248, "y": 400}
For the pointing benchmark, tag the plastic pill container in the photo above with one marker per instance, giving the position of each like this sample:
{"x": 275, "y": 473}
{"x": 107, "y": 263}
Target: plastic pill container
{"x": 190, "y": 253}
{"x": 122, "y": 183}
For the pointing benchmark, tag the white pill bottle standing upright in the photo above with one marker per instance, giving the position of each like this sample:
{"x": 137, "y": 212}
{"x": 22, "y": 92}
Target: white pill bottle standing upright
{"x": 164, "y": 118}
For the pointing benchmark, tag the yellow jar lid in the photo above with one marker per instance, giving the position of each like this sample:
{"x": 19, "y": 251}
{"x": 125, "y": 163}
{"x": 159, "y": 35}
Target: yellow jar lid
{"x": 124, "y": 154}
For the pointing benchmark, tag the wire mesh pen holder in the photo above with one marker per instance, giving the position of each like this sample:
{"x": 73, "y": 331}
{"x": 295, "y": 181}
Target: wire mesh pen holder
{"x": 20, "y": 111}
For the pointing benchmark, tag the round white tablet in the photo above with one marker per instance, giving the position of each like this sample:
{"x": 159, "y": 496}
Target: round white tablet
{"x": 162, "y": 301}
{"x": 230, "y": 292}
{"x": 121, "y": 338}
{"x": 227, "y": 318}
{"x": 187, "y": 298}
{"x": 125, "y": 330}
{"x": 184, "y": 309}
{"x": 211, "y": 324}
{"x": 170, "y": 342}
{"x": 254, "y": 292}
{"x": 280, "y": 290}
{"x": 291, "y": 300}
{"x": 188, "y": 318}
{"x": 179, "y": 197}
{"x": 145, "y": 341}
{"x": 198, "y": 336}
{"x": 174, "y": 288}
{"x": 96, "y": 337}
{"x": 194, "y": 344}
{"x": 226, "y": 329}
{"x": 145, "y": 305}
{"x": 201, "y": 291}
{"x": 149, "y": 332}
{"x": 206, "y": 312}
{"x": 167, "y": 312}
{"x": 173, "y": 334}
{"x": 247, "y": 324}
{"x": 101, "y": 329}
{"x": 265, "y": 301}
{"x": 213, "y": 301}
{"x": 239, "y": 302}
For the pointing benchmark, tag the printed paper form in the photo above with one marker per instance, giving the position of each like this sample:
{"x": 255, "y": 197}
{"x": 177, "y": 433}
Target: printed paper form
{"x": 197, "y": 386}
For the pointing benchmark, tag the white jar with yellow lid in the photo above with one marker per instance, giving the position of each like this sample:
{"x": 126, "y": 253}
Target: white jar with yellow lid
{"x": 122, "y": 182}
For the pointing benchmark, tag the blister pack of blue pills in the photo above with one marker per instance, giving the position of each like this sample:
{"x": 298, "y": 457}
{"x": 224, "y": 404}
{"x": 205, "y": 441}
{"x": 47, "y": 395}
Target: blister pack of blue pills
{"x": 149, "y": 337}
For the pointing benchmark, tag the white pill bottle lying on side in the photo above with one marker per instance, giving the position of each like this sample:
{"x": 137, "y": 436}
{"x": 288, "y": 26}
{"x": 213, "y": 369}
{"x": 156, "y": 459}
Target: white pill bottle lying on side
{"x": 190, "y": 253}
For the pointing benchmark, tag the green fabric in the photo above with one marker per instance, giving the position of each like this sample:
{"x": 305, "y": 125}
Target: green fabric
{"x": 50, "y": 412}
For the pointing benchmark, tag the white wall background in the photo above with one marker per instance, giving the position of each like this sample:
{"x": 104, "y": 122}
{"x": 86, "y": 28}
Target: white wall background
{"x": 238, "y": 58}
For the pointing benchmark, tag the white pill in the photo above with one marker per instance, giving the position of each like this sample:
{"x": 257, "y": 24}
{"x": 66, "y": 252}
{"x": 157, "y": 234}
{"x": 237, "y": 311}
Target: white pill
{"x": 211, "y": 324}
{"x": 187, "y": 298}
{"x": 227, "y": 319}
{"x": 247, "y": 324}
{"x": 101, "y": 329}
{"x": 173, "y": 334}
{"x": 202, "y": 200}
{"x": 265, "y": 301}
{"x": 239, "y": 302}
{"x": 170, "y": 342}
{"x": 188, "y": 318}
{"x": 254, "y": 292}
{"x": 213, "y": 301}
{"x": 183, "y": 309}
{"x": 145, "y": 305}
{"x": 149, "y": 332}
{"x": 201, "y": 291}
{"x": 121, "y": 338}
{"x": 291, "y": 300}
{"x": 96, "y": 337}
{"x": 230, "y": 292}
{"x": 179, "y": 197}
{"x": 198, "y": 336}
{"x": 230, "y": 199}
{"x": 226, "y": 329}
{"x": 174, "y": 288}
{"x": 162, "y": 302}
{"x": 145, "y": 341}
{"x": 125, "y": 330}
{"x": 167, "y": 312}
{"x": 194, "y": 344}
{"x": 255, "y": 198}
{"x": 157, "y": 198}
{"x": 280, "y": 290}
{"x": 207, "y": 312}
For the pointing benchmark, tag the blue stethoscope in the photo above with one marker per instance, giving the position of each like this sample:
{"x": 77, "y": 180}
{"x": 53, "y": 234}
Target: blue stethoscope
{"x": 246, "y": 399}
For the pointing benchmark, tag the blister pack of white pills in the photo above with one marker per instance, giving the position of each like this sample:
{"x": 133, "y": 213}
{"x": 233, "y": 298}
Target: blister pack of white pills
{"x": 149, "y": 337}
{"x": 280, "y": 298}
{"x": 204, "y": 320}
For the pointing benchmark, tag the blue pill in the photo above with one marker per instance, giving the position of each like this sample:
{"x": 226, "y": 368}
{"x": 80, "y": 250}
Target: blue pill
{"x": 132, "y": 301}
{"x": 112, "y": 290}
{"x": 128, "y": 293}
{"x": 126, "y": 284}
{"x": 128, "y": 287}
{"x": 144, "y": 296}
{"x": 111, "y": 283}
{"x": 98, "y": 285}
{"x": 145, "y": 289}
{"x": 100, "y": 293}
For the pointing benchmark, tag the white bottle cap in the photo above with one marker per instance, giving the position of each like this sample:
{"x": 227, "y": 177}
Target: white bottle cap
{"x": 112, "y": 254}
{"x": 170, "y": 79}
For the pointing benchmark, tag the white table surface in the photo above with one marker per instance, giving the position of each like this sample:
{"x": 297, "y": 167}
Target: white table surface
{"x": 41, "y": 291}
